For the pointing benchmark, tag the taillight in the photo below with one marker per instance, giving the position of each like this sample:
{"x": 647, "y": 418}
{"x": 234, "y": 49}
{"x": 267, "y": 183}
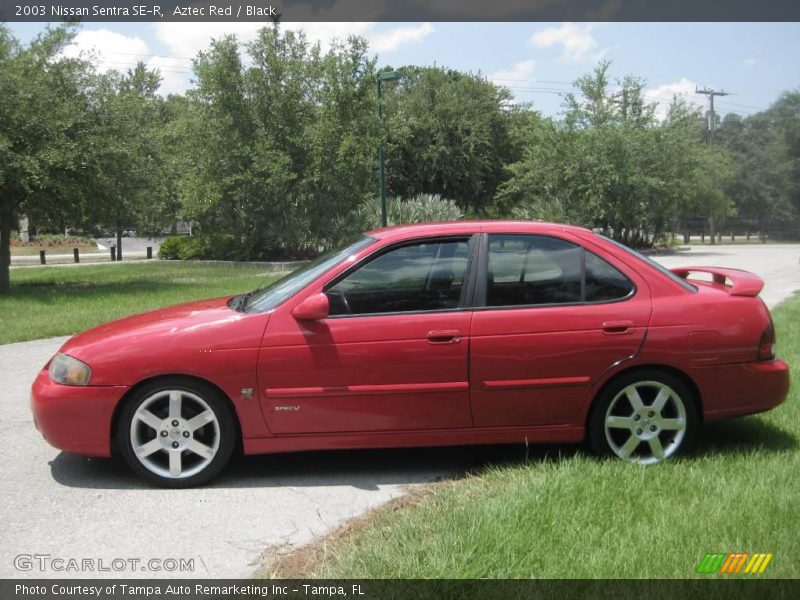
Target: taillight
{"x": 767, "y": 343}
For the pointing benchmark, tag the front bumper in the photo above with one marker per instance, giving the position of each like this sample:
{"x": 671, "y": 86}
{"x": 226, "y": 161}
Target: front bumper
{"x": 75, "y": 418}
{"x": 742, "y": 389}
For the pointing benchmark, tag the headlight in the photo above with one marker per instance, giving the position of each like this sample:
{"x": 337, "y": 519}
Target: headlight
{"x": 69, "y": 371}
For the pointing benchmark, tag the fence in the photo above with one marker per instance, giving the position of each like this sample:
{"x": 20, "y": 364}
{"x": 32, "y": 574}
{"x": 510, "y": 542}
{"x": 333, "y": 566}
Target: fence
{"x": 736, "y": 229}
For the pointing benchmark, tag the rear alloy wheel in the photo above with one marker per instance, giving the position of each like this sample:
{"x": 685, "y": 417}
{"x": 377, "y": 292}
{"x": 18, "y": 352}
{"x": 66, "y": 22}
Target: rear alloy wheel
{"x": 176, "y": 434}
{"x": 645, "y": 417}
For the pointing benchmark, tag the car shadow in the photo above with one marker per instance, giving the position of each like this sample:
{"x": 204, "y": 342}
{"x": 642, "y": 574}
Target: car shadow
{"x": 362, "y": 469}
{"x": 742, "y": 435}
{"x": 371, "y": 469}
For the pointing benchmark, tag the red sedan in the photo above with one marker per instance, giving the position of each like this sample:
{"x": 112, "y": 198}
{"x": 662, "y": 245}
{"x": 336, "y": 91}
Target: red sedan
{"x": 423, "y": 335}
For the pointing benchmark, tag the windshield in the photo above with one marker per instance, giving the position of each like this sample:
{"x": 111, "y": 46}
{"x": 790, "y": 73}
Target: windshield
{"x": 652, "y": 263}
{"x": 275, "y": 293}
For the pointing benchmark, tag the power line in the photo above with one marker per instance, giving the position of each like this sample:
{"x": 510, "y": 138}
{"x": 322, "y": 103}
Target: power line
{"x": 567, "y": 83}
{"x": 147, "y": 55}
{"x": 728, "y": 103}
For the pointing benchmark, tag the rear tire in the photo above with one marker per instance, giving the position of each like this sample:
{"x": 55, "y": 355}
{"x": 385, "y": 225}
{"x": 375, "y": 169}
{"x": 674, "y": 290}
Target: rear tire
{"x": 645, "y": 416}
{"x": 176, "y": 433}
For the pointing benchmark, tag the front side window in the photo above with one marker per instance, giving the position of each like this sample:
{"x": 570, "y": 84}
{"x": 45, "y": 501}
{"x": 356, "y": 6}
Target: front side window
{"x": 416, "y": 277}
{"x": 269, "y": 297}
{"x": 526, "y": 270}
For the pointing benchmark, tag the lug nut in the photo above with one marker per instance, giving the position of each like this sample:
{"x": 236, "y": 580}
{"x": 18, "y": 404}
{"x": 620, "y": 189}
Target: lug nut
{"x": 651, "y": 413}
{"x": 638, "y": 432}
{"x": 636, "y": 417}
{"x": 174, "y": 444}
{"x": 185, "y": 434}
{"x": 163, "y": 434}
{"x": 652, "y": 427}
{"x": 174, "y": 422}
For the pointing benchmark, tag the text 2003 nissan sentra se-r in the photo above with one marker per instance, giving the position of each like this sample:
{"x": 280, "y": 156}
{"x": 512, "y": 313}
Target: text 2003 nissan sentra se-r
{"x": 453, "y": 333}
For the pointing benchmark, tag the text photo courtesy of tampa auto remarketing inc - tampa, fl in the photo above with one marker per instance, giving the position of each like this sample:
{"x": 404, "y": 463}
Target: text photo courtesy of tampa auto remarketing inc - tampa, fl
{"x": 408, "y": 299}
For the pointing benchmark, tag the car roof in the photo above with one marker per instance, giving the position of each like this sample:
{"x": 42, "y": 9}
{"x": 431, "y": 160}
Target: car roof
{"x": 399, "y": 232}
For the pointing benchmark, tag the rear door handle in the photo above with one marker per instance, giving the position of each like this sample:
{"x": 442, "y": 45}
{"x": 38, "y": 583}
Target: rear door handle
{"x": 444, "y": 336}
{"x": 617, "y": 327}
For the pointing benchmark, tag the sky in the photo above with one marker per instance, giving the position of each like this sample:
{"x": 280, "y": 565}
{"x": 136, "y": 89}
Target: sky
{"x": 755, "y": 62}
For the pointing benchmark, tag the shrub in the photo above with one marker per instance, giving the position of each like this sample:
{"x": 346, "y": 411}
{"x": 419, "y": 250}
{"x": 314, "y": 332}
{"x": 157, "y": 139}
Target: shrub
{"x": 290, "y": 238}
{"x": 50, "y": 240}
{"x": 172, "y": 247}
{"x": 211, "y": 246}
{"x": 422, "y": 208}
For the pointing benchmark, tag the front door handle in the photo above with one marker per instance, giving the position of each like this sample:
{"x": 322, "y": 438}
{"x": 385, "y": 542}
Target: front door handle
{"x": 444, "y": 336}
{"x": 617, "y": 327}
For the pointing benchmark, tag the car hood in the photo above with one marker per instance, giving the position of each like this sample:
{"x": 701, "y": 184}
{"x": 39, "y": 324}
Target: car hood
{"x": 165, "y": 338}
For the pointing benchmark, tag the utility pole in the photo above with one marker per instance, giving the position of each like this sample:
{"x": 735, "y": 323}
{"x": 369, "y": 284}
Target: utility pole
{"x": 384, "y": 76}
{"x": 712, "y": 116}
{"x": 712, "y": 129}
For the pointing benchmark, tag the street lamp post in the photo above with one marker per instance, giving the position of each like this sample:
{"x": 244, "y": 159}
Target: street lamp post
{"x": 384, "y": 76}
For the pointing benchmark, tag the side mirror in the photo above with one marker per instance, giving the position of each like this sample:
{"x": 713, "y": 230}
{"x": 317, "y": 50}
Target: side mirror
{"x": 313, "y": 308}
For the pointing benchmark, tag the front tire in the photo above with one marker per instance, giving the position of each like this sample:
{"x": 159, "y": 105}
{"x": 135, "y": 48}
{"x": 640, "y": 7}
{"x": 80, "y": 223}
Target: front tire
{"x": 176, "y": 433}
{"x": 645, "y": 417}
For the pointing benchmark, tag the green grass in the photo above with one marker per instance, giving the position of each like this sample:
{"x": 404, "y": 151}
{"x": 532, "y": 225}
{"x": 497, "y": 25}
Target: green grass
{"x": 52, "y": 301}
{"x": 570, "y": 515}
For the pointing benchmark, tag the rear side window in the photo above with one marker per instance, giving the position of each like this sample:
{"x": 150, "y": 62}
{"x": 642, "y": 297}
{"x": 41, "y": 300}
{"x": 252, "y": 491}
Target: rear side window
{"x": 680, "y": 281}
{"x": 532, "y": 269}
{"x": 604, "y": 282}
{"x": 526, "y": 270}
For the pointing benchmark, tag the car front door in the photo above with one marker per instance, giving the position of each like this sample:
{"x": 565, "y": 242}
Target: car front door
{"x": 391, "y": 355}
{"x": 552, "y": 318}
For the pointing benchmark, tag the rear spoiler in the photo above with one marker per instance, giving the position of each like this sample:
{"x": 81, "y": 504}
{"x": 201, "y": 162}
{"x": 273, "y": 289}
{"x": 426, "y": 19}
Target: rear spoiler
{"x": 742, "y": 283}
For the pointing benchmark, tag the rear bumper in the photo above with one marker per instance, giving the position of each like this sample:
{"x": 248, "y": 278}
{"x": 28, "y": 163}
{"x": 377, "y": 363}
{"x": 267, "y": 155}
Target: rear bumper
{"x": 72, "y": 418}
{"x": 742, "y": 389}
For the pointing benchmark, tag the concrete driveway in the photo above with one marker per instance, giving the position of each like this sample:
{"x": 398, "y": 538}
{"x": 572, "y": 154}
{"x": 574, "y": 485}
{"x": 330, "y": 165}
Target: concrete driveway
{"x": 777, "y": 264}
{"x": 69, "y": 507}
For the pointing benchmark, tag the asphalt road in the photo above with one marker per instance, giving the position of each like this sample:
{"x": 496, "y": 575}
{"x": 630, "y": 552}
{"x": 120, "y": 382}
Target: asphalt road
{"x": 69, "y": 507}
{"x": 133, "y": 245}
{"x": 133, "y": 248}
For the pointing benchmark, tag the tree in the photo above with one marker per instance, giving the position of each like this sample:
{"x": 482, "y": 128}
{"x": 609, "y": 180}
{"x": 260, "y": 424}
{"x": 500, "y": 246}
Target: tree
{"x": 43, "y": 108}
{"x": 448, "y": 133}
{"x": 129, "y": 183}
{"x": 278, "y": 149}
{"x": 611, "y": 163}
{"x": 766, "y": 156}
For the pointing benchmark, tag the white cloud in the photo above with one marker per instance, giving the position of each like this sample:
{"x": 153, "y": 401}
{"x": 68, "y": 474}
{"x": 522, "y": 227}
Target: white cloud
{"x": 108, "y": 50}
{"x": 175, "y": 74}
{"x": 576, "y": 41}
{"x": 391, "y": 40}
{"x": 521, "y": 71}
{"x": 749, "y": 62}
{"x": 664, "y": 94}
{"x": 379, "y": 41}
{"x": 326, "y": 33}
{"x": 185, "y": 40}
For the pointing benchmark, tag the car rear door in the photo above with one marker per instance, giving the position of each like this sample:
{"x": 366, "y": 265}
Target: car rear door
{"x": 551, "y": 317}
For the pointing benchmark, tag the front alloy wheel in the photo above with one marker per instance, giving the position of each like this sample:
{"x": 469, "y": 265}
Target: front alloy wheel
{"x": 645, "y": 417}
{"x": 176, "y": 434}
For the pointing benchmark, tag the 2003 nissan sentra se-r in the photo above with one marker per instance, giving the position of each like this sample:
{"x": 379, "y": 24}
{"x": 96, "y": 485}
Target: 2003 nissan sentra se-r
{"x": 442, "y": 334}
